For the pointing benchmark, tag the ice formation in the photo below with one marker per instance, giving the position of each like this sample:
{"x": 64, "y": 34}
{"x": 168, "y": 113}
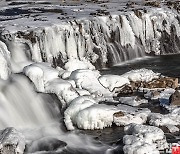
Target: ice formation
{"x": 40, "y": 74}
{"x": 4, "y": 61}
{"x": 100, "y": 40}
{"x": 88, "y": 80}
{"x": 113, "y": 81}
{"x": 143, "y": 139}
{"x": 141, "y": 75}
{"x": 75, "y": 106}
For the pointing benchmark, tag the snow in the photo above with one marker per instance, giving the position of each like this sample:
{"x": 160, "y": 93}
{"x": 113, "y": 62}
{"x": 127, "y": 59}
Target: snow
{"x": 75, "y": 106}
{"x": 170, "y": 120}
{"x": 40, "y": 74}
{"x": 113, "y": 81}
{"x": 97, "y": 116}
{"x": 142, "y": 74}
{"x": 130, "y": 115}
{"x": 75, "y": 64}
{"x": 143, "y": 139}
{"x": 63, "y": 89}
{"x": 88, "y": 80}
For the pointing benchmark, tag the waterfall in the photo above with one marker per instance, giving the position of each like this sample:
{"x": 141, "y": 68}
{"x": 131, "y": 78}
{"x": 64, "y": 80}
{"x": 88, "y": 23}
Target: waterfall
{"x": 102, "y": 40}
{"x": 18, "y": 109}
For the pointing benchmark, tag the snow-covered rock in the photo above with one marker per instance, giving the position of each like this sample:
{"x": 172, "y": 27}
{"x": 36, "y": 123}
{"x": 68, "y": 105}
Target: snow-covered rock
{"x": 74, "y": 108}
{"x": 88, "y": 80}
{"x": 143, "y": 139}
{"x": 11, "y": 141}
{"x": 113, "y": 81}
{"x": 40, "y": 74}
{"x": 170, "y": 120}
{"x": 130, "y": 115}
{"x": 63, "y": 89}
{"x": 141, "y": 75}
{"x": 97, "y": 116}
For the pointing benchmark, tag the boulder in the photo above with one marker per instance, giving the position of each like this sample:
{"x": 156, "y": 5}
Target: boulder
{"x": 175, "y": 98}
{"x": 11, "y": 141}
{"x": 46, "y": 144}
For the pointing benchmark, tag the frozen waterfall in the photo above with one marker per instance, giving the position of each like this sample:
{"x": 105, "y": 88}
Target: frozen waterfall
{"x": 102, "y": 40}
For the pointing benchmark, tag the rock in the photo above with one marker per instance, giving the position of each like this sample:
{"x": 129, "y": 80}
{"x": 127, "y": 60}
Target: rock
{"x": 11, "y": 141}
{"x": 153, "y": 3}
{"x": 175, "y": 98}
{"x": 118, "y": 114}
{"x": 127, "y": 115}
{"x": 46, "y": 144}
{"x": 162, "y": 82}
{"x": 126, "y": 90}
{"x": 143, "y": 139}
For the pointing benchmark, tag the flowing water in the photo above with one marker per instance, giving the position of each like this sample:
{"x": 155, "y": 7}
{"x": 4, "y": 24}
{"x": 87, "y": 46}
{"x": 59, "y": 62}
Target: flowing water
{"x": 21, "y": 103}
{"x": 105, "y": 40}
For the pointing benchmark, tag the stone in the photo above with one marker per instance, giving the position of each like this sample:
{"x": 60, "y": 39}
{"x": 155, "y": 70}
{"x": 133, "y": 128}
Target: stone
{"x": 163, "y": 82}
{"x": 11, "y": 141}
{"x": 175, "y": 98}
{"x": 46, "y": 144}
{"x": 118, "y": 114}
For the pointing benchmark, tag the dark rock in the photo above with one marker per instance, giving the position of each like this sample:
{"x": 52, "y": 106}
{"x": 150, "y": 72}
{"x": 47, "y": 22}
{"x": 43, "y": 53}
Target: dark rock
{"x": 163, "y": 82}
{"x": 175, "y": 98}
{"x": 153, "y": 3}
{"x": 118, "y": 114}
{"x": 46, "y": 144}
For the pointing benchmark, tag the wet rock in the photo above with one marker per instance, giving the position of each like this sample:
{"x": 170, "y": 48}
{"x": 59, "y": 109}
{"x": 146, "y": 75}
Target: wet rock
{"x": 153, "y": 3}
{"x": 11, "y": 141}
{"x": 126, "y": 90}
{"x": 163, "y": 82}
{"x": 46, "y": 144}
{"x": 118, "y": 114}
{"x": 175, "y": 98}
{"x": 152, "y": 95}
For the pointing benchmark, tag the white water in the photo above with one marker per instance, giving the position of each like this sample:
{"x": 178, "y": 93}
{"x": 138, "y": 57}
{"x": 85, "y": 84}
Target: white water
{"x": 21, "y": 106}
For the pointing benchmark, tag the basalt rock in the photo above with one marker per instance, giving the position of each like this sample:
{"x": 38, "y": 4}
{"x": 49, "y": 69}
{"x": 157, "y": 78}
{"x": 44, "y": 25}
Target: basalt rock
{"x": 162, "y": 82}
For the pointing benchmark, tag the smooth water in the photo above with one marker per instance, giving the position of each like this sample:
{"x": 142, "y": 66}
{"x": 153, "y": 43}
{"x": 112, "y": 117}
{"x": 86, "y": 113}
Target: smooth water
{"x": 168, "y": 65}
